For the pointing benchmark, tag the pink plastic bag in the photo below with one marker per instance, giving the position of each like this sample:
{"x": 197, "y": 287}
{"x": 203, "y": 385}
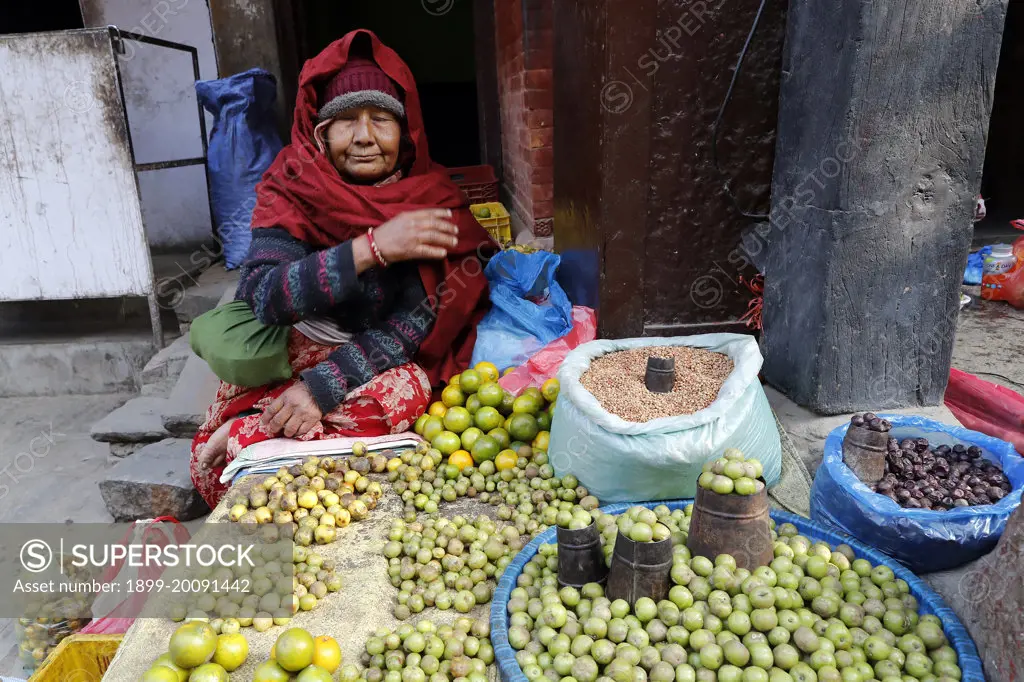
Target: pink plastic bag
{"x": 986, "y": 407}
{"x": 117, "y": 614}
{"x": 544, "y": 363}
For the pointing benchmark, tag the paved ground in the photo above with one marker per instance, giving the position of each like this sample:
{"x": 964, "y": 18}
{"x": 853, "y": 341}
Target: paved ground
{"x": 990, "y": 342}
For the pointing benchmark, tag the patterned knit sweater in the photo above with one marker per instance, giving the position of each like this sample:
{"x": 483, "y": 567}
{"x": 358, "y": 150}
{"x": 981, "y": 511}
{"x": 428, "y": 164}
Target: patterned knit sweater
{"x": 285, "y": 280}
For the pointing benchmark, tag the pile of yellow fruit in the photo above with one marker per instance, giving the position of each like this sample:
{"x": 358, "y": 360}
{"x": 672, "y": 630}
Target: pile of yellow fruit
{"x": 198, "y": 654}
{"x": 477, "y": 420}
{"x": 296, "y": 652}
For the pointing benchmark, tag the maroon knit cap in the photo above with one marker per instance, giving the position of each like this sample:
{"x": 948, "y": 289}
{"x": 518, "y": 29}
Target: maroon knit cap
{"x": 360, "y": 83}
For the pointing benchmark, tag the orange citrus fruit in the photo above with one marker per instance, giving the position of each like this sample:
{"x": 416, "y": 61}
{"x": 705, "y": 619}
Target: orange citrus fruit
{"x": 469, "y": 381}
{"x": 314, "y": 673}
{"x": 507, "y": 401}
{"x": 488, "y": 371}
{"x": 484, "y": 448}
{"x": 437, "y": 409}
{"x": 541, "y": 441}
{"x": 460, "y": 459}
{"x": 453, "y": 380}
{"x": 535, "y": 393}
{"x": 549, "y": 389}
{"x": 192, "y": 644}
{"x": 326, "y": 653}
{"x": 506, "y": 459}
{"x": 457, "y": 419}
{"x": 446, "y": 442}
{"x": 544, "y": 421}
{"x": 418, "y": 427}
{"x": 159, "y": 673}
{"x": 473, "y": 403}
{"x": 452, "y": 396}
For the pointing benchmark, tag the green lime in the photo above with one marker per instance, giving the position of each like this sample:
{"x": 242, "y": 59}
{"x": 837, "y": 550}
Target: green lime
{"x": 469, "y": 437}
{"x": 490, "y": 394}
{"x": 485, "y": 448}
{"x": 420, "y": 421}
{"x": 457, "y": 419}
{"x": 526, "y": 404}
{"x": 544, "y": 421}
{"x": 523, "y": 427}
{"x": 507, "y": 402}
{"x": 473, "y": 403}
{"x": 487, "y": 418}
{"x": 431, "y": 427}
{"x": 469, "y": 381}
{"x": 500, "y": 435}
{"x": 446, "y": 442}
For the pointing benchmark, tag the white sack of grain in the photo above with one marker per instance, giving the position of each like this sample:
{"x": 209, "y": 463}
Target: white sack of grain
{"x": 660, "y": 459}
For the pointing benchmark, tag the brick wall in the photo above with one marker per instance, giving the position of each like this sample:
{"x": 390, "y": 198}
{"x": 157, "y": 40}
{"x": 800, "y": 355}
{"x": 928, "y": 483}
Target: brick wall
{"x": 524, "y": 44}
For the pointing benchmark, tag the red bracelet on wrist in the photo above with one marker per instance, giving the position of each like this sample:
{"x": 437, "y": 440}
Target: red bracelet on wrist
{"x": 377, "y": 255}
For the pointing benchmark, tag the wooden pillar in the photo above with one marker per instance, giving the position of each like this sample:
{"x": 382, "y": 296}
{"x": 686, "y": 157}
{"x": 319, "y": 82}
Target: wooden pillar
{"x": 883, "y": 118}
{"x": 641, "y": 217}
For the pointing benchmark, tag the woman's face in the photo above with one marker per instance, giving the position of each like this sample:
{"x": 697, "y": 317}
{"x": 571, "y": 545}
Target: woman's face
{"x": 363, "y": 144}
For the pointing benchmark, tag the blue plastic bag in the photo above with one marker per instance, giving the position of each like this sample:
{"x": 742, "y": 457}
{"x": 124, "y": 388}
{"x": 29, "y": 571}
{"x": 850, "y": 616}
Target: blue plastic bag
{"x": 243, "y": 143}
{"x": 528, "y": 308}
{"x": 975, "y": 261}
{"x": 921, "y": 539}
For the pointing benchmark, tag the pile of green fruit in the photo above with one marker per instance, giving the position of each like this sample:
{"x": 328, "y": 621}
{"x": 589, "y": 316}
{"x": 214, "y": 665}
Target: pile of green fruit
{"x": 285, "y": 579}
{"x": 641, "y": 524}
{"x": 428, "y": 652}
{"x": 311, "y": 500}
{"x": 732, "y": 473}
{"x": 447, "y": 563}
{"x": 528, "y": 493}
{"x": 196, "y": 652}
{"x": 477, "y": 420}
{"x": 816, "y": 614}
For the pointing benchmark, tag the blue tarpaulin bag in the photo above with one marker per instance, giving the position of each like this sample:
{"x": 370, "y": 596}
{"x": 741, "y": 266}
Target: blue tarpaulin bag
{"x": 529, "y": 309}
{"x": 243, "y": 144}
{"x": 921, "y": 539}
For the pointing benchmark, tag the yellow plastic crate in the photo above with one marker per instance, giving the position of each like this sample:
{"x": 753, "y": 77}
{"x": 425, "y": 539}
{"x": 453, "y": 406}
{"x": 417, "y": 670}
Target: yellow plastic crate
{"x": 498, "y": 224}
{"x": 82, "y": 658}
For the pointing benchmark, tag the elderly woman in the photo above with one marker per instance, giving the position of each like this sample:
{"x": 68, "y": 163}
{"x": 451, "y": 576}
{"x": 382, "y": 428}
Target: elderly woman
{"x": 365, "y": 248}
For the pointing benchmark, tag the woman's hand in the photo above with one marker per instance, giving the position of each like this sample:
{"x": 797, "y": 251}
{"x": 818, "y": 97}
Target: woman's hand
{"x": 414, "y": 235}
{"x": 294, "y": 412}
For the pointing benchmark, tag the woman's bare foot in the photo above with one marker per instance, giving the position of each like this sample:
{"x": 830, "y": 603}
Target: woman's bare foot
{"x": 215, "y": 451}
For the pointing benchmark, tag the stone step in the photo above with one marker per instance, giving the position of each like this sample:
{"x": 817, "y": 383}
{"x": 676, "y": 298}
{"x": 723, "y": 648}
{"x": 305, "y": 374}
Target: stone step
{"x": 205, "y": 292}
{"x": 153, "y": 482}
{"x": 140, "y": 420}
{"x": 168, "y": 363}
{"x": 185, "y": 409}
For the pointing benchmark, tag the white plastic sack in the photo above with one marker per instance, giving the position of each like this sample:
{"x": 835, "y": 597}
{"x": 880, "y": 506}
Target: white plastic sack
{"x": 661, "y": 459}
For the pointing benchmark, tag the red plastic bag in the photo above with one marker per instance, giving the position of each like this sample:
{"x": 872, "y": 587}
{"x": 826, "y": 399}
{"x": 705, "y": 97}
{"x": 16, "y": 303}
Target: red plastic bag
{"x": 119, "y": 616}
{"x": 986, "y": 407}
{"x": 544, "y": 363}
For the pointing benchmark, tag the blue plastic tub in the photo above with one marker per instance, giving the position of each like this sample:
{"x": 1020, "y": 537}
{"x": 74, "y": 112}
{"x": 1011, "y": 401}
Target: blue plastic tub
{"x": 921, "y": 539}
{"x": 929, "y": 601}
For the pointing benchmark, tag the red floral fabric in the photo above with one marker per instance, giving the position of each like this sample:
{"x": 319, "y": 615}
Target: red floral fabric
{"x": 389, "y": 403}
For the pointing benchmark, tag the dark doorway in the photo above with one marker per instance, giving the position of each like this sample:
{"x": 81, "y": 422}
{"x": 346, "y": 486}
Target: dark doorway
{"x": 32, "y": 17}
{"x": 439, "y": 50}
{"x": 1002, "y": 183}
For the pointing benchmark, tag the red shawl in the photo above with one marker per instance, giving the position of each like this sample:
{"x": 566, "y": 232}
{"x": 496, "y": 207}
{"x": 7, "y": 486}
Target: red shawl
{"x": 303, "y": 193}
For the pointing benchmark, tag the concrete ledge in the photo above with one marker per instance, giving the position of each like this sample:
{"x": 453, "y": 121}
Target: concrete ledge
{"x": 809, "y": 429}
{"x": 92, "y": 364}
{"x": 153, "y": 482}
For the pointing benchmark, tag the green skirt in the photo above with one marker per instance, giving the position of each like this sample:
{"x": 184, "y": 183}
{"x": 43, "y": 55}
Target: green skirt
{"x": 239, "y": 348}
